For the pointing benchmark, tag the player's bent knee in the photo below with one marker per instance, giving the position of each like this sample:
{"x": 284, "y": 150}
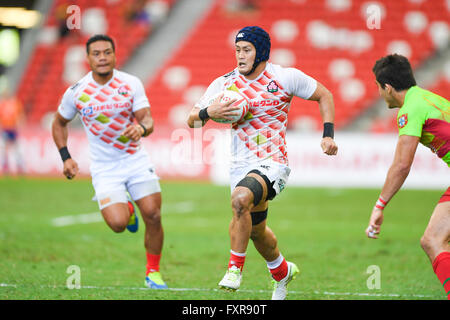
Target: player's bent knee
{"x": 425, "y": 243}
{"x": 432, "y": 244}
{"x": 116, "y": 225}
{"x": 118, "y": 228}
{"x": 240, "y": 203}
{"x": 116, "y": 216}
{"x": 116, "y": 221}
{"x": 254, "y": 186}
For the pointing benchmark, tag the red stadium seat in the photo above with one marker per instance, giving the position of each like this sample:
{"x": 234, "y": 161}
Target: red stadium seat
{"x": 207, "y": 54}
{"x": 44, "y": 74}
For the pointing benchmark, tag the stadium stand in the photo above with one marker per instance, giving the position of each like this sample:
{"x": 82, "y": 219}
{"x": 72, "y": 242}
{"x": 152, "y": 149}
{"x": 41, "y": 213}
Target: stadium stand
{"x": 59, "y": 57}
{"x": 337, "y": 42}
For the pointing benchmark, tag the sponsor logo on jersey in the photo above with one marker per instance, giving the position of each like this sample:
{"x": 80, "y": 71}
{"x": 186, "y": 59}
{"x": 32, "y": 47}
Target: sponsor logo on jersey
{"x": 111, "y": 106}
{"x": 402, "y": 120}
{"x": 75, "y": 85}
{"x": 272, "y": 87}
{"x": 229, "y": 74}
{"x": 87, "y": 111}
{"x": 122, "y": 90}
{"x": 264, "y": 103}
{"x": 281, "y": 184}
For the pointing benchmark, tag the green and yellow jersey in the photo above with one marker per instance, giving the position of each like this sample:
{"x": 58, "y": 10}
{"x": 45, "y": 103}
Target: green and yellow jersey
{"x": 426, "y": 115}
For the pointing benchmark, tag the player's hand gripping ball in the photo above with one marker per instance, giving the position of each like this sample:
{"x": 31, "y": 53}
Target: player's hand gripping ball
{"x": 241, "y": 102}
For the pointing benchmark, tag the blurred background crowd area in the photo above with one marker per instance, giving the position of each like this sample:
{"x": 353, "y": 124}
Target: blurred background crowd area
{"x": 178, "y": 47}
{"x": 335, "y": 41}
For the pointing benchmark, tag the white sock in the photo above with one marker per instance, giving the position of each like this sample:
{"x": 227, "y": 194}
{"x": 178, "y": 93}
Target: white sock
{"x": 238, "y": 254}
{"x": 275, "y": 263}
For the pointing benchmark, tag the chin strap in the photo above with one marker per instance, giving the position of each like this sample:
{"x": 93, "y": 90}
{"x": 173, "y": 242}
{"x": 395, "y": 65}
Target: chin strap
{"x": 253, "y": 69}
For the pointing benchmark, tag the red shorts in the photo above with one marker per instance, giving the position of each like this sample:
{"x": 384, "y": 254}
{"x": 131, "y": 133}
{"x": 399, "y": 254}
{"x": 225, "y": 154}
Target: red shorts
{"x": 446, "y": 196}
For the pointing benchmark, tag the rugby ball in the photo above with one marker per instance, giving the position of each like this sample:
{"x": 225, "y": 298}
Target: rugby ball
{"x": 240, "y": 102}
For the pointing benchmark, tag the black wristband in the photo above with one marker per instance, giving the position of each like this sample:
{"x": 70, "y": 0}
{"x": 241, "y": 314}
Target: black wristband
{"x": 145, "y": 129}
{"x": 328, "y": 130}
{"x": 64, "y": 154}
{"x": 203, "y": 114}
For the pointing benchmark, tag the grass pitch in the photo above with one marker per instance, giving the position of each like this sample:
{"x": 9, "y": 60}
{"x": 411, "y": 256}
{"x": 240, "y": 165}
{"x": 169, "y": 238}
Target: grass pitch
{"x": 321, "y": 230}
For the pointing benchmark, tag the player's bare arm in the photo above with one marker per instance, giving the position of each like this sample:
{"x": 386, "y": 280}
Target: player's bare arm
{"x": 401, "y": 165}
{"x": 326, "y": 106}
{"x": 142, "y": 128}
{"x": 396, "y": 176}
{"x": 60, "y": 134}
{"x": 217, "y": 110}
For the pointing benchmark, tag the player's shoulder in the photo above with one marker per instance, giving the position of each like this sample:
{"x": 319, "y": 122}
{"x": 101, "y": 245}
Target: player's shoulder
{"x": 289, "y": 77}
{"x": 281, "y": 71}
{"x": 227, "y": 76}
{"x": 414, "y": 99}
{"x": 232, "y": 74}
{"x": 79, "y": 84}
{"x": 427, "y": 95}
{"x": 126, "y": 77}
{"x": 415, "y": 106}
{"x": 276, "y": 68}
{"x": 73, "y": 90}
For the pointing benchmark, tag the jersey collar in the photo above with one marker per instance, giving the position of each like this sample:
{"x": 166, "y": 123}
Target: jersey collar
{"x": 102, "y": 85}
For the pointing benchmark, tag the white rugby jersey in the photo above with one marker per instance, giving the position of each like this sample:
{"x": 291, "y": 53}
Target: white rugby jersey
{"x": 261, "y": 136}
{"x": 105, "y": 111}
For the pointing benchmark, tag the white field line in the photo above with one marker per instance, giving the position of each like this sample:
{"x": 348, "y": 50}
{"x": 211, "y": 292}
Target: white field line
{"x": 84, "y": 218}
{"x": 324, "y": 293}
{"x": 93, "y": 217}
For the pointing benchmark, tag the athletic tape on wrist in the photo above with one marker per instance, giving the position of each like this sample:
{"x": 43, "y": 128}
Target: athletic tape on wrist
{"x": 64, "y": 153}
{"x": 328, "y": 130}
{"x": 203, "y": 114}
{"x": 381, "y": 203}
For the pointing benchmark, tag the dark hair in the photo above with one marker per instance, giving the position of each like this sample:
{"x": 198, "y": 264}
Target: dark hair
{"x": 99, "y": 37}
{"x": 394, "y": 70}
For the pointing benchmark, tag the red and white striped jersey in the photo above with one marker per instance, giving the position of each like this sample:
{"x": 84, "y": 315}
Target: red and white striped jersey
{"x": 262, "y": 135}
{"x": 105, "y": 111}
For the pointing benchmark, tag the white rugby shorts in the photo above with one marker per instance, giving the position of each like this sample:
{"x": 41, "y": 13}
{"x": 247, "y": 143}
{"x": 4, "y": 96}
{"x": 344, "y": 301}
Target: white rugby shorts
{"x": 275, "y": 172}
{"x": 135, "y": 174}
